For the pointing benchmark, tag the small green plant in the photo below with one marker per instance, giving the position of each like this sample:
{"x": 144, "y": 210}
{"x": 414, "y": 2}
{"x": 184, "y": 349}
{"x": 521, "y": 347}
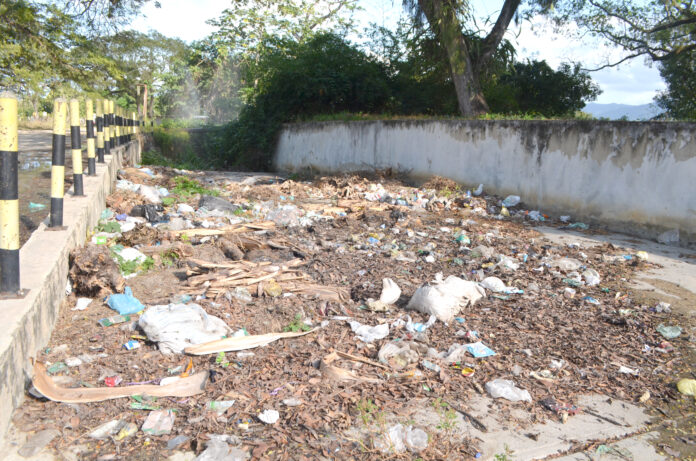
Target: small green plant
{"x": 448, "y": 417}
{"x": 185, "y": 238}
{"x": 297, "y": 325}
{"x": 148, "y": 264}
{"x": 110, "y": 227}
{"x": 369, "y": 413}
{"x": 185, "y": 187}
{"x": 169, "y": 201}
{"x": 506, "y": 456}
{"x": 169, "y": 258}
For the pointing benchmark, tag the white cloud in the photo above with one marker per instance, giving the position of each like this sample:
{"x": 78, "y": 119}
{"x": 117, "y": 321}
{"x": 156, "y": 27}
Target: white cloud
{"x": 184, "y": 19}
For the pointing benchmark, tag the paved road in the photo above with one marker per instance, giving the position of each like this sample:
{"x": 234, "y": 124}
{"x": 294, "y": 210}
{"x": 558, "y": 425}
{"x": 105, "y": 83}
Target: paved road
{"x": 34, "y": 141}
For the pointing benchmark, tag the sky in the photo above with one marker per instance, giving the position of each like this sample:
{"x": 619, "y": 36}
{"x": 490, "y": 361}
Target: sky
{"x": 631, "y": 83}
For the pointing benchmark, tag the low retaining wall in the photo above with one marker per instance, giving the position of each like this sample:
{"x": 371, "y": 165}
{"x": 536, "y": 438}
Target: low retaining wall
{"x": 44, "y": 271}
{"x": 636, "y": 177}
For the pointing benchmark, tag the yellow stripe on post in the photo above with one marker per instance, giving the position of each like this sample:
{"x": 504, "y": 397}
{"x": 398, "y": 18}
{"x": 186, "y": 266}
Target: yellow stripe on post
{"x": 57, "y": 181}
{"x": 8, "y": 122}
{"x": 9, "y": 224}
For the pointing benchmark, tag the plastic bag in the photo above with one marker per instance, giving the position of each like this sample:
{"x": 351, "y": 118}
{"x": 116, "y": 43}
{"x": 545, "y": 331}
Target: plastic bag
{"x": 669, "y": 237}
{"x": 445, "y": 299}
{"x": 177, "y": 326}
{"x": 390, "y": 292}
{"x": 503, "y": 388}
{"x": 416, "y": 439}
{"x": 591, "y": 277}
{"x": 125, "y": 303}
{"x": 150, "y": 194}
{"x": 511, "y": 200}
{"x": 367, "y": 333}
{"x": 567, "y": 264}
{"x": 217, "y": 450}
{"x": 392, "y": 441}
{"x": 494, "y": 284}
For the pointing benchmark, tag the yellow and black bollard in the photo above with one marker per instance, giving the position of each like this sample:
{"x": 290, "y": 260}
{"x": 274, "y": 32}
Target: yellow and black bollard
{"x": 117, "y": 125}
{"x": 60, "y": 113}
{"x": 75, "y": 145}
{"x": 100, "y": 131}
{"x": 107, "y": 127}
{"x": 89, "y": 124}
{"x": 9, "y": 197}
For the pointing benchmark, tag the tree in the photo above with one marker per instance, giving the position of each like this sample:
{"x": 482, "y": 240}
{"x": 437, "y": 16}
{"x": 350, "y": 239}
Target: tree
{"x": 679, "y": 100}
{"x": 533, "y": 87}
{"x": 466, "y": 62}
{"x": 657, "y": 29}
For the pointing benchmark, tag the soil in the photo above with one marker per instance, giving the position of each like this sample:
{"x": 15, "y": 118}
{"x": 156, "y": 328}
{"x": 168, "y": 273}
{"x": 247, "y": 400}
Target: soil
{"x": 352, "y": 243}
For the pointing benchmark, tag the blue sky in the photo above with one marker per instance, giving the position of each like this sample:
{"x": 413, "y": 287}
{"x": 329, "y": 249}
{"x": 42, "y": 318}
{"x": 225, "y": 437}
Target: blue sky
{"x": 631, "y": 83}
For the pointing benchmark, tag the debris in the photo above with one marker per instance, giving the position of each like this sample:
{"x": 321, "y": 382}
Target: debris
{"x": 503, "y": 388}
{"x": 107, "y": 429}
{"x": 687, "y": 386}
{"x": 38, "y": 442}
{"x": 184, "y": 208}
{"x": 159, "y": 422}
{"x": 269, "y": 416}
{"x": 175, "y": 327}
{"x": 114, "y": 320}
{"x": 494, "y": 284}
{"x": 212, "y": 203}
{"x": 390, "y": 292}
{"x": 242, "y": 342}
{"x": 367, "y": 333}
{"x": 479, "y": 350}
{"x": 444, "y": 299}
{"x": 397, "y": 354}
{"x": 511, "y": 200}
{"x": 178, "y": 441}
{"x": 82, "y": 304}
{"x": 340, "y": 374}
{"x": 558, "y": 407}
{"x": 126, "y": 431}
{"x": 218, "y": 450}
{"x": 591, "y": 277}
{"x": 149, "y": 212}
{"x": 125, "y": 303}
{"x": 392, "y": 441}
{"x": 185, "y": 387}
{"x": 669, "y": 331}
{"x": 94, "y": 273}
{"x": 36, "y": 206}
{"x": 645, "y": 397}
{"x": 220, "y": 406}
{"x": 628, "y": 371}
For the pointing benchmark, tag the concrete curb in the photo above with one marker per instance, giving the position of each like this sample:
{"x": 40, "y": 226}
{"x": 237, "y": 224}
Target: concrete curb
{"x": 44, "y": 271}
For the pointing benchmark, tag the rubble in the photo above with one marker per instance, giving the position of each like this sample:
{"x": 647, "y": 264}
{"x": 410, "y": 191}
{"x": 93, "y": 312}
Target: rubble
{"x": 315, "y": 306}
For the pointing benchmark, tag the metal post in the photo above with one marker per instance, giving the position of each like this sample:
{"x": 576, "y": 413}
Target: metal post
{"x": 60, "y": 112}
{"x": 100, "y": 131}
{"x": 117, "y": 124}
{"x": 89, "y": 124}
{"x": 9, "y": 196}
{"x": 76, "y": 148}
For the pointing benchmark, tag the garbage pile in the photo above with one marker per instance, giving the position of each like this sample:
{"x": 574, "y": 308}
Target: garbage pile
{"x": 265, "y": 318}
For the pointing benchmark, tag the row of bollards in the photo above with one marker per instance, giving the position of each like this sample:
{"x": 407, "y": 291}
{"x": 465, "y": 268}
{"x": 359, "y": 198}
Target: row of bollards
{"x": 113, "y": 128}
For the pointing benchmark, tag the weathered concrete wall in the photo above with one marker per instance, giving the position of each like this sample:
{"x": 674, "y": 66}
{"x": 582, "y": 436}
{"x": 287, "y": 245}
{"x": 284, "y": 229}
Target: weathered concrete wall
{"x": 630, "y": 176}
{"x": 44, "y": 271}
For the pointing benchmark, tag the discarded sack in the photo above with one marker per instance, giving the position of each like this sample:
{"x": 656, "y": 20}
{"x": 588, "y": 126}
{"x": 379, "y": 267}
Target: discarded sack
{"x": 125, "y": 303}
{"x": 445, "y": 299}
{"x": 176, "y": 326}
{"x": 149, "y": 212}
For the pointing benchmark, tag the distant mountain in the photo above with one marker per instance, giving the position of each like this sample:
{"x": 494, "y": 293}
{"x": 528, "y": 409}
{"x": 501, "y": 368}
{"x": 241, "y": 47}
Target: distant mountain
{"x": 617, "y": 111}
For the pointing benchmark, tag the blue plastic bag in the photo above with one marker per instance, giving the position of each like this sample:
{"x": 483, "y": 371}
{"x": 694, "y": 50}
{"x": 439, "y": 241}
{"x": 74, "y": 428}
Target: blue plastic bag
{"x": 125, "y": 303}
{"x": 479, "y": 350}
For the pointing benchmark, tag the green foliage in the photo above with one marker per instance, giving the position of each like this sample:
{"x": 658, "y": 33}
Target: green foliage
{"x": 322, "y": 75}
{"x": 534, "y": 87}
{"x": 169, "y": 258}
{"x": 297, "y": 325}
{"x": 448, "y": 417}
{"x": 185, "y": 187}
{"x": 679, "y": 99}
{"x": 111, "y": 227}
{"x": 369, "y": 413}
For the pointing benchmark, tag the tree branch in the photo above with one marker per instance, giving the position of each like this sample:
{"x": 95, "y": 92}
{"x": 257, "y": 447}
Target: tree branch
{"x": 492, "y": 40}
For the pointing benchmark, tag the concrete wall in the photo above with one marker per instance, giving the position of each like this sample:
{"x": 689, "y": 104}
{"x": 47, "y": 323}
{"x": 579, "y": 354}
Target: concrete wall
{"x": 44, "y": 272}
{"x": 631, "y": 176}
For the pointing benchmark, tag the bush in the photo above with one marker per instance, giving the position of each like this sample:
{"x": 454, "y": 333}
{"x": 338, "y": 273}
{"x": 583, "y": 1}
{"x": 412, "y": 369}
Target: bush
{"x": 296, "y": 81}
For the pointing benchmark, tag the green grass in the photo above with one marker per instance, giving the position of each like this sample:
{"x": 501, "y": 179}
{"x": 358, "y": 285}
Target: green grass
{"x": 131, "y": 267}
{"x": 297, "y": 325}
{"x": 185, "y": 188}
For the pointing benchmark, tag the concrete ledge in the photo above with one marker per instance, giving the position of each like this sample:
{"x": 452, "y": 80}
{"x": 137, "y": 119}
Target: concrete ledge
{"x": 634, "y": 177}
{"x": 44, "y": 271}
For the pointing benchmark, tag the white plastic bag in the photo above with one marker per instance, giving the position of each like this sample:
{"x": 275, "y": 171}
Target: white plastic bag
{"x": 150, "y": 194}
{"x": 367, "y": 333}
{"x": 503, "y": 388}
{"x": 494, "y": 284}
{"x": 445, "y": 299}
{"x": 390, "y": 292}
{"x": 177, "y": 326}
{"x": 591, "y": 277}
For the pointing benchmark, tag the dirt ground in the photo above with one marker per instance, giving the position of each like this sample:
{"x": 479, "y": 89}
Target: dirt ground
{"x": 553, "y": 334}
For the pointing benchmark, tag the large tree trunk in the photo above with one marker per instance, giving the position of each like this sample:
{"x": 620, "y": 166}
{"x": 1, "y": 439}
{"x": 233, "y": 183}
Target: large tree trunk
{"x": 442, "y": 17}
